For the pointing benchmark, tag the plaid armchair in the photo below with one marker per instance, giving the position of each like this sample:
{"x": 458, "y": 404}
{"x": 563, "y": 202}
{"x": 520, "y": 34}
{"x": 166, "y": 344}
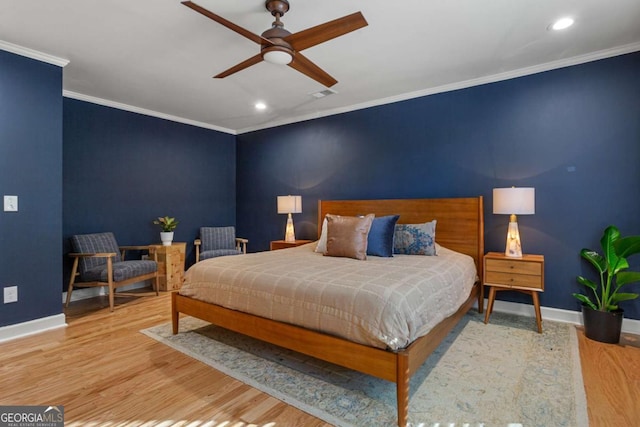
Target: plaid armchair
{"x": 99, "y": 261}
{"x": 219, "y": 241}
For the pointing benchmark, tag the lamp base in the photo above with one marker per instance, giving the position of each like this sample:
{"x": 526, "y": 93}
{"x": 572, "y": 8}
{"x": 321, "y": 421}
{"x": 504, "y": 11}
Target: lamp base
{"x": 513, "y": 248}
{"x": 289, "y": 233}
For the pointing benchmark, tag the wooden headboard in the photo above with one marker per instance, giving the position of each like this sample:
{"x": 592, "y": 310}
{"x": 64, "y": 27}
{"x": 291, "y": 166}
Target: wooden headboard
{"x": 460, "y": 224}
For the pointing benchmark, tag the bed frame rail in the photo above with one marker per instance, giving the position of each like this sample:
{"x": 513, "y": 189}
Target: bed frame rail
{"x": 369, "y": 360}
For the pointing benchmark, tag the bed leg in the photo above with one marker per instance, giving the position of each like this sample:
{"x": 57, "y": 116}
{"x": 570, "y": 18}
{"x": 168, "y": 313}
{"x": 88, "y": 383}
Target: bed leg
{"x": 175, "y": 315}
{"x": 402, "y": 388}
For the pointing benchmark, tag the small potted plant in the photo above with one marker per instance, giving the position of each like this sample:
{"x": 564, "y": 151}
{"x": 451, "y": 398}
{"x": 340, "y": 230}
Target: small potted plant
{"x": 603, "y": 317}
{"x": 167, "y": 224}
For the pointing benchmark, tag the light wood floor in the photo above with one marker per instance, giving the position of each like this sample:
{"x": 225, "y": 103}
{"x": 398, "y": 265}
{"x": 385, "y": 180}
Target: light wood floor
{"x": 611, "y": 375}
{"x": 105, "y": 372}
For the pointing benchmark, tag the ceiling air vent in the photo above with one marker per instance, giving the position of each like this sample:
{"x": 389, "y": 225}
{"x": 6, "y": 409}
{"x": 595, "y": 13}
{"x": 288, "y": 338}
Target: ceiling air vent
{"x": 323, "y": 93}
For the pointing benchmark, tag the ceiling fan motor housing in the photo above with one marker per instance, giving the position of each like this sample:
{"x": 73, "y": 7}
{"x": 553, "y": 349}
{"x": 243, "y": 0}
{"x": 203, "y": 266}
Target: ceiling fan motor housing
{"x": 277, "y": 7}
{"x": 276, "y": 35}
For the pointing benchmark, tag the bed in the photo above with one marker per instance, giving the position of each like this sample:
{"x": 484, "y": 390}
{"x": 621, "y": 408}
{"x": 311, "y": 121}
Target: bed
{"x": 459, "y": 228}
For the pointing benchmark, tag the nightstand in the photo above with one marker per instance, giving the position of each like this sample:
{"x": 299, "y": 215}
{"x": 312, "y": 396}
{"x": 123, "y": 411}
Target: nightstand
{"x": 282, "y": 244}
{"x": 526, "y": 275}
{"x": 170, "y": 265}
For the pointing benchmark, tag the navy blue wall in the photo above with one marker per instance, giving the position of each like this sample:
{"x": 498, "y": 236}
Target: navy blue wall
{"x": 122, "y": 170}
{"x": 572, "y": 133}
{"x": 31, "y": 168}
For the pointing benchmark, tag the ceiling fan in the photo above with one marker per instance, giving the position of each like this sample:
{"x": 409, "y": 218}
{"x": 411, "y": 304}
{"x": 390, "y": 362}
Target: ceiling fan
{"x": 279, "y": 46}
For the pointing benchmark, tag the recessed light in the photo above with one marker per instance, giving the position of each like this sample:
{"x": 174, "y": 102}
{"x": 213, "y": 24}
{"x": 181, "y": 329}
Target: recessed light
{"x": 260, "y": 106}
{"x": 562, "y": 23}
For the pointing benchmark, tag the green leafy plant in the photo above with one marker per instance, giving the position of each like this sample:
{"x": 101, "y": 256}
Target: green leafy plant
{"x": 611, "y": 265}
{"x": 166, "y": 223}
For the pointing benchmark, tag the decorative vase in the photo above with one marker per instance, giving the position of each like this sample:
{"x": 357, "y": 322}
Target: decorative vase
{"x": 602, "y": 326}
{"x": 166, "y": 237}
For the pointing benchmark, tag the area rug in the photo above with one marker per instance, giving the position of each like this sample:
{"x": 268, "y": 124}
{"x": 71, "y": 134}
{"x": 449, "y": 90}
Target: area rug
{"x": 500, "y": 374}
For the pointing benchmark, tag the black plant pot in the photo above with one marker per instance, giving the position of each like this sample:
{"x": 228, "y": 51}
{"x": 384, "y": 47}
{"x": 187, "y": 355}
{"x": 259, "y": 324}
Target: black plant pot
{"x": 602, "y": 326}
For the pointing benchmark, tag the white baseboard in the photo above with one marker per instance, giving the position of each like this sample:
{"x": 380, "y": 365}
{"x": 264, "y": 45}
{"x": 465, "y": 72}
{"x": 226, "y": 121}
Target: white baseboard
{"x": 86, "y": 293}
{"x": 630, "y": 326}
{"x": 32, "y": 327}
{"x": 43, "y": 324}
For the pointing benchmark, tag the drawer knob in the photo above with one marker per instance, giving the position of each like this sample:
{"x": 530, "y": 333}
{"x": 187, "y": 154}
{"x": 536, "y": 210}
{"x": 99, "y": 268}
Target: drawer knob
{"x": 511, "y": 267}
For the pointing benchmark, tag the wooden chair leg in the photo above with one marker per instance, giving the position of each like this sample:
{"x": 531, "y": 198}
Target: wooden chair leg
{"x": 69, "y": 290}
{"x": 111, "y": 297}
{"x": 156, "y": 284}
{"x": 72, "y": 280}
{"x": 156, "y": 278}
{"x": 110, "y": 280}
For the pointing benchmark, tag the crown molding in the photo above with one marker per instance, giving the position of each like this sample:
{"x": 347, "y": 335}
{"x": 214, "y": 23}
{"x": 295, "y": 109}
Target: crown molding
{"x": 553, "y": 65}
{"x": 521, "y": 72}
{"x": 144, "y": 111}
{"x": 33, "y": 54}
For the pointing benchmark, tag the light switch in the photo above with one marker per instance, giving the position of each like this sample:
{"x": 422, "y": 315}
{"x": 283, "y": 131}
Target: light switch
{"x": 11, "y": 203}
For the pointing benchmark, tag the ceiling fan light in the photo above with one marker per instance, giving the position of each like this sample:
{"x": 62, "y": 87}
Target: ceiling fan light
{"x": 278, "y": 57}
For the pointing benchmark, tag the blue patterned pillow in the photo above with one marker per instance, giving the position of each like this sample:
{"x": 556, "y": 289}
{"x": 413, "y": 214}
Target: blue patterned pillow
{"x": 380, "y": 240}
{"x": 415, "y": 239}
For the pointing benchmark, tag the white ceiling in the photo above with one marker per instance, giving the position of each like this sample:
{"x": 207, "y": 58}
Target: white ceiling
{"x": 158, "y": 56}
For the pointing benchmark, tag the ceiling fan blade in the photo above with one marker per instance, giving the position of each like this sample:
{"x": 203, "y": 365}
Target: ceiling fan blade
{"x": 239, "y": 67}
{"x": 305, "y": 66}
{"x": 329, "y": 30}
{"x": 230, "y": 25}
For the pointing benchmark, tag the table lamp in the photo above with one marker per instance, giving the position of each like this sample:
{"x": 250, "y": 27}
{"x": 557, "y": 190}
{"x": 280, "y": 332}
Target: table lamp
{"x": 288, "y": 205}
{"x": 514, "y": 201}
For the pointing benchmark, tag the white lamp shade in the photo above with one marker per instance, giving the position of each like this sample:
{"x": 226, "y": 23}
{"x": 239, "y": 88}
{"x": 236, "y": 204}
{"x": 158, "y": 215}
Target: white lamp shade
{"x": 289, "y": 204}
{"x": 514, "y": 200}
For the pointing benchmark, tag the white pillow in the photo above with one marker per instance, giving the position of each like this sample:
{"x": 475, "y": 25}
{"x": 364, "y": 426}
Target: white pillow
{"x": 322, "y": 242}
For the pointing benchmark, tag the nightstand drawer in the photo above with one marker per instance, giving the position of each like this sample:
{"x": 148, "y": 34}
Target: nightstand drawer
{"x": 513, "y": 280}
{"x": 511, "y": 266}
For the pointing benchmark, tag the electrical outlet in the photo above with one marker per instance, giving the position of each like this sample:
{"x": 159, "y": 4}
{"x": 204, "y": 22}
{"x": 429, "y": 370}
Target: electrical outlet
{"x": 10, "y": 294}
{"x": 11, "y": 203}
